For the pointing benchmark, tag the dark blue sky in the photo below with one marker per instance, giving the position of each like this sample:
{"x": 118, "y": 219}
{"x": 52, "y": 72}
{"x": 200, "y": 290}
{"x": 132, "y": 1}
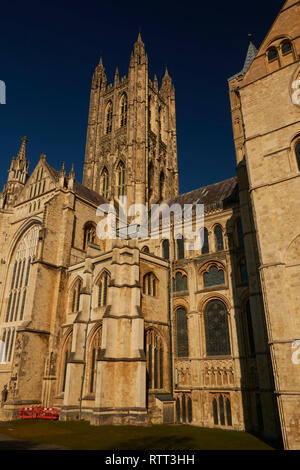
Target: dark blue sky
{"x": 49, "y": 51}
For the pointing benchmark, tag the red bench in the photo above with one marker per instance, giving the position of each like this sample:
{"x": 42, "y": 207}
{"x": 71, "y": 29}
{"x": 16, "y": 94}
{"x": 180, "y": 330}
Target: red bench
{"x": 38, "y": 413}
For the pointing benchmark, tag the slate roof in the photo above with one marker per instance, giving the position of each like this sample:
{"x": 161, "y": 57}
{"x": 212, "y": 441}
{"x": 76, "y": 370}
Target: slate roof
{"x": 217, "y": 195}
{"x": 251, "y": 53}
{"x": 89, "y": 194}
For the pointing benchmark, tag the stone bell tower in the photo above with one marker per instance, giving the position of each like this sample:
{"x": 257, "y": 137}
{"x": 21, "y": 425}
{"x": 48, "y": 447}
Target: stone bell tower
{"x": 131, "y": 147}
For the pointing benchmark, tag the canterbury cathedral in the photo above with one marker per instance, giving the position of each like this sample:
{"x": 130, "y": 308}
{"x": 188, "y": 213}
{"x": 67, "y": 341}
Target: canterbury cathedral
{"x": 144, "y": 330}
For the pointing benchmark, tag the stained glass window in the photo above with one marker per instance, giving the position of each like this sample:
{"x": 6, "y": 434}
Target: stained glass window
{"x": 216, "y": 329}
{"x": 180, "y": 282}
{"x": 182, "y": 346}
{"x": 214, "y": 277}
{"x": 215, "y": 411}
{"x": 219, "y": 245}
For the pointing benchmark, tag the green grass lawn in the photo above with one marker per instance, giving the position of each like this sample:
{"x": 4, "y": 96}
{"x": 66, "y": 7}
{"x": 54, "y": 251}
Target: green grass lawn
{"x": 81, "y": 436}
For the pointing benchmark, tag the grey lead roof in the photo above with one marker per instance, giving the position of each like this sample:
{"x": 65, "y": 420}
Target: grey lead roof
{"x": 251, "y": 53}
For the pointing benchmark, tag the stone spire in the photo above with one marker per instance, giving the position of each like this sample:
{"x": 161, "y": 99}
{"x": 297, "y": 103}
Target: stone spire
{"x": 166, "y": 85}
{"x": 17, "y": 175}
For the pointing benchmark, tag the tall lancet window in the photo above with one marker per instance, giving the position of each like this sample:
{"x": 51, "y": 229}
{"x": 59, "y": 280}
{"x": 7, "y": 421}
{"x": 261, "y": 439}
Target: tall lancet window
{"x": 121, "y": 179}
{"x": 161, "y": 186}
{"x": 108, "y": 117}
{"x": 92, "y": 359}
{"x": 123, "y": 110}
{"x": 20, "y": 268}
{"x": 103, "y": 289}
{"x": 155, "y": 360}
{"x": 104, "y": 183}
{"x": 297, "y": 150}
{"x": 150, "y": 179}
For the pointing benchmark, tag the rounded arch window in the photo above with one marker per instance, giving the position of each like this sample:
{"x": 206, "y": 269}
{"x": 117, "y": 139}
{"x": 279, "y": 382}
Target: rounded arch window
{"x": 272, "y": 54}
{"x": 205, "y": 243}
{"x": 213, "y": 276}
{"x": 286, "y": 47}
{"x": 180, "y": 282}
{"x": 216, "y": 329}
{"x": 219, "y": 243}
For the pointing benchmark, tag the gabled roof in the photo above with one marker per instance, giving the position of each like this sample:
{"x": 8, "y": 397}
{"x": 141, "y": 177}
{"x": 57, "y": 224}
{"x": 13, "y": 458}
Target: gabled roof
{"x": 213, "y": 196}
{"x": 251, "y": 53}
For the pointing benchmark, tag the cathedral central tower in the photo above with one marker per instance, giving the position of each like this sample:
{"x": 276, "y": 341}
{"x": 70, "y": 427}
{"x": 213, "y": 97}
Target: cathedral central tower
{"x": 131, "y": 147}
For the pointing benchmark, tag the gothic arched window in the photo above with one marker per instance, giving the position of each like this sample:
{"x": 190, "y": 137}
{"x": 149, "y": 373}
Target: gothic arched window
{"x": 89, "y": 234}
{"x": 7, "y": 345}
{"x": 108, "y": 117}
{"x": 297, "y": 152}
{"x": 161, "y": 186}
{"x": 104, "y": 183}
{"x": 20, "y": 270}
{"x": 121, "y": 179}
{"x": 150, "y": 178}
{"x": 150, "y": 285}
{"x": 123, "y": 110}
{"x": 95, "y": 348}
{"x": 243, "y": 272}
{"x": 166, "y": 249}
{"x": 205, "y": 246}
{"x": 145, "y": 249}
{"x": 66, "y": 354}
{"x": 180, "y": 282}
{"x": 216, "y": 329}
{"x": 75, "y": 296}
{"x": 213, "y": 277}
{"x": 180, "y": 248}
{"x": 155, "y": 359}
{"x": 240, "y": 235}
{"x": 250, "y": 329}
{"x": 182, "y": 345}
{"x": 219, "y": 244}
{"x": 103, "y": 284}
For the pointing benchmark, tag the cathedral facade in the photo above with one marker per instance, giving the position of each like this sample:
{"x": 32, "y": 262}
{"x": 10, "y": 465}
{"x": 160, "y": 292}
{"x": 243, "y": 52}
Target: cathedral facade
{"x": 144, "y": 330}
